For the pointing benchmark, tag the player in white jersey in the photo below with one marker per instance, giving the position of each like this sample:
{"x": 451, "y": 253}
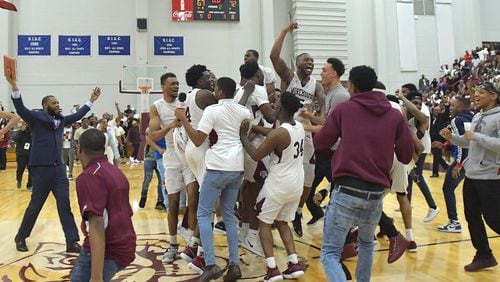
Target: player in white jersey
{"x": 303, "y": 86}
{"x": 198, "y": 77}
{"x": 177, "y": 176}
{"x": 255, "y": 171}
{"x": 269, "y": 75}
{"x": 280, "y": 196}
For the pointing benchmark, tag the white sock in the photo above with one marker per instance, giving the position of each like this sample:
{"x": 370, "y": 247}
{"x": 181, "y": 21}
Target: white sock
{"x": 293, "y": 258}
{"x": 173, "y": 239}
{"x": 409, "y": 234}
{"x": 194, "y": 241}
{"x": 244, "y": 228}
{"x": 219, "y": 219}
{"x": 271, "y": 263}
{"x": 200, "y": 251}
{"x": 299, "y": 210}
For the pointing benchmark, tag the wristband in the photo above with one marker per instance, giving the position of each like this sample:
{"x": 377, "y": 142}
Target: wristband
{"x": 459, "y": 165}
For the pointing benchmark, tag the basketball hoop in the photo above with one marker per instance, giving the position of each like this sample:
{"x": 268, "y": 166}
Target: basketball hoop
{"x": 145, "y": 89}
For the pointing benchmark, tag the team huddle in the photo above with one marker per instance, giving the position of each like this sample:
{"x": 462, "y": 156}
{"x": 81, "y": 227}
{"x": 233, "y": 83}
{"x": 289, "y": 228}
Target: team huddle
{"x": 259, "y": 146}
{"x": 254, "y": 154}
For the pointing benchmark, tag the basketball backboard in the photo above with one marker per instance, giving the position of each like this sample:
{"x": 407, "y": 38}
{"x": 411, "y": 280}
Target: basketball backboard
{"x": 136, "y": 76}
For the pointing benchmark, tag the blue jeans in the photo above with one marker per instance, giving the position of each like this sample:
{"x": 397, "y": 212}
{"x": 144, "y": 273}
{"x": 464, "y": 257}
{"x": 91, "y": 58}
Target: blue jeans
{"x": 82, "y": 269}
{"x": 343, "y": 212}
{"x": 449, "y": 186}
{"x": 149, "y": 167}
{"x": 416, "y": 175}
{"x": 226, "y": 184}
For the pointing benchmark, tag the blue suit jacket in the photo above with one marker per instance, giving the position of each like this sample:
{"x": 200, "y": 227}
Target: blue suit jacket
{"x": 46, "y": 142}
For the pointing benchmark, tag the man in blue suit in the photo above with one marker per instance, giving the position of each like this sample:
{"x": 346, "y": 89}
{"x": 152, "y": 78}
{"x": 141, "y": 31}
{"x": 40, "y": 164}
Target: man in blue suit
{"x": 47, "y": 169}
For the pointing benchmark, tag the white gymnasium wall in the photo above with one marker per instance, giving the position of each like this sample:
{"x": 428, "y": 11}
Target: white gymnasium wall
{"x": 446, "y": 38}
{"x": 219, "y": 45}
{"x": 490, "y": 29}
{"x": 427, "y": 46}
{"x": 466, "y": 25}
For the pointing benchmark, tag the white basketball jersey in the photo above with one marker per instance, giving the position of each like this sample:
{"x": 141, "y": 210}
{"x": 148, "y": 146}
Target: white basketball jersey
{"x": 286, "y": 172}
{"x": 305, "y": 93}
{"x": 193, "y": 112}
{"x": 166, "y": 111}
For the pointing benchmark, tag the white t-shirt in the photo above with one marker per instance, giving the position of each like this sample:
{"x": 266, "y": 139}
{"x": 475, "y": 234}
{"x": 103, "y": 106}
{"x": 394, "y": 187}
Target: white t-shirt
{"x": 286, "y": 173}
{"x": 67, "y": 137}
{"x": 256, "y": 99}
{"x": 269, "y": 75}
{"x": 225, "y": 118}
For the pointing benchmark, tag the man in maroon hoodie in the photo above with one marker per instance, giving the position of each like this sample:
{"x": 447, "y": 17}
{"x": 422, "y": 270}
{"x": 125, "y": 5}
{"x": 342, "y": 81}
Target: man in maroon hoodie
{"x": 371, "y": 131}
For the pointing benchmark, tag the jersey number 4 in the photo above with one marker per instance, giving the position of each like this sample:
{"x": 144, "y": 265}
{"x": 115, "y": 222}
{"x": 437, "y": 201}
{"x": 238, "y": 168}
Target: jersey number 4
{"x": 299, "y": 148}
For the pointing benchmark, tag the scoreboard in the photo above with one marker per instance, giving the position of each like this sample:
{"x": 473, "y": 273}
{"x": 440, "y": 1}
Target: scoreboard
{"x": 206, "y": 10}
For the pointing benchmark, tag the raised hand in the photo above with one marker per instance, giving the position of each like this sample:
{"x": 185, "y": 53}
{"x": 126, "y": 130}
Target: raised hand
{"x": 96, "y": 92}
{"x": 291, "y": 26}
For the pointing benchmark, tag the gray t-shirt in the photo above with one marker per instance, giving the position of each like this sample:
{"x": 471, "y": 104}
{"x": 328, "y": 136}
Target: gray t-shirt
{"x": 335, "y": 96}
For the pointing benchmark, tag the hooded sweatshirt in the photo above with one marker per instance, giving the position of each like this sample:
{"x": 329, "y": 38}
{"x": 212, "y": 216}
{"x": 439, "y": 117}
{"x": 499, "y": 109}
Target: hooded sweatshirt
{"x": 458, "y": 127}
{"x": 371, "y": 132}
{"x": 483, "y": 161}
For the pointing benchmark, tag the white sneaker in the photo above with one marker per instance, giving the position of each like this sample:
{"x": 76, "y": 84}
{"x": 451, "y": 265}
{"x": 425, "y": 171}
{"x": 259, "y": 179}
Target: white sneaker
{"x": 431, "y": 214}
{"x": 184, "y": 232}
{"x": 253, "y": 246}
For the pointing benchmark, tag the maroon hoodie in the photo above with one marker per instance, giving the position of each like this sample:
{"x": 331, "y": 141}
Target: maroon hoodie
{"x": 371, "y": 131}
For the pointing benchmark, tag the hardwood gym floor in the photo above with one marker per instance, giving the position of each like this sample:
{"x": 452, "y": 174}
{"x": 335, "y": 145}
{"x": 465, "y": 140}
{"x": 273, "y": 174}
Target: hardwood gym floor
{"x": 440, "y": 256}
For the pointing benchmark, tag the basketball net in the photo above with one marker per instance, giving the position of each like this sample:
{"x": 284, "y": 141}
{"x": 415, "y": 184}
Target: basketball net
{"x": 145, "y": 89}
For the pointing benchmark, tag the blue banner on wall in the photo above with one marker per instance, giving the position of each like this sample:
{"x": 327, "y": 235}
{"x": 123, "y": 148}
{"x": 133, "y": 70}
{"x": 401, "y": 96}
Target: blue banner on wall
{"x": 33, "y": 45}
{"x": 169, "y": 45}
{"x": 74, "y": 45}
{"x": 110, "y": 45}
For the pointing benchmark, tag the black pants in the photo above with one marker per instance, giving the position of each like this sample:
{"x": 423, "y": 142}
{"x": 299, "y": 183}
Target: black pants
{"x": 3, "y": 158}
{"x": 437, "y": 160}
{"x": 22, "y": 164}
{"x": 482, "y": 200}
{"x": 322, "y": 169}
{"x": 136, "y": 150}
{"x": 387, "y": 226}
{"x": 48, "y": 179}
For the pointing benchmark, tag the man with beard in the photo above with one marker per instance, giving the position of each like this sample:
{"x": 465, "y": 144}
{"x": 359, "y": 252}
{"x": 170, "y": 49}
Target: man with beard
{"x": 47, "y": 170}
{"x": 301, "y": 84}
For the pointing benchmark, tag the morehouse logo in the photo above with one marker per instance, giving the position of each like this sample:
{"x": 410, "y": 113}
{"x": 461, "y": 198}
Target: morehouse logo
{"x": 182, "y": 15}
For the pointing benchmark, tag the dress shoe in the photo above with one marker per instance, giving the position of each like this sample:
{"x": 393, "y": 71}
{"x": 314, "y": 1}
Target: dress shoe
{"x": 233, "y": 273}
{"x": 480, "y": 263}
{"x": 211, "y": 272}
{"x": 21, "y": 244}
{"x": 73, "y": 248}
